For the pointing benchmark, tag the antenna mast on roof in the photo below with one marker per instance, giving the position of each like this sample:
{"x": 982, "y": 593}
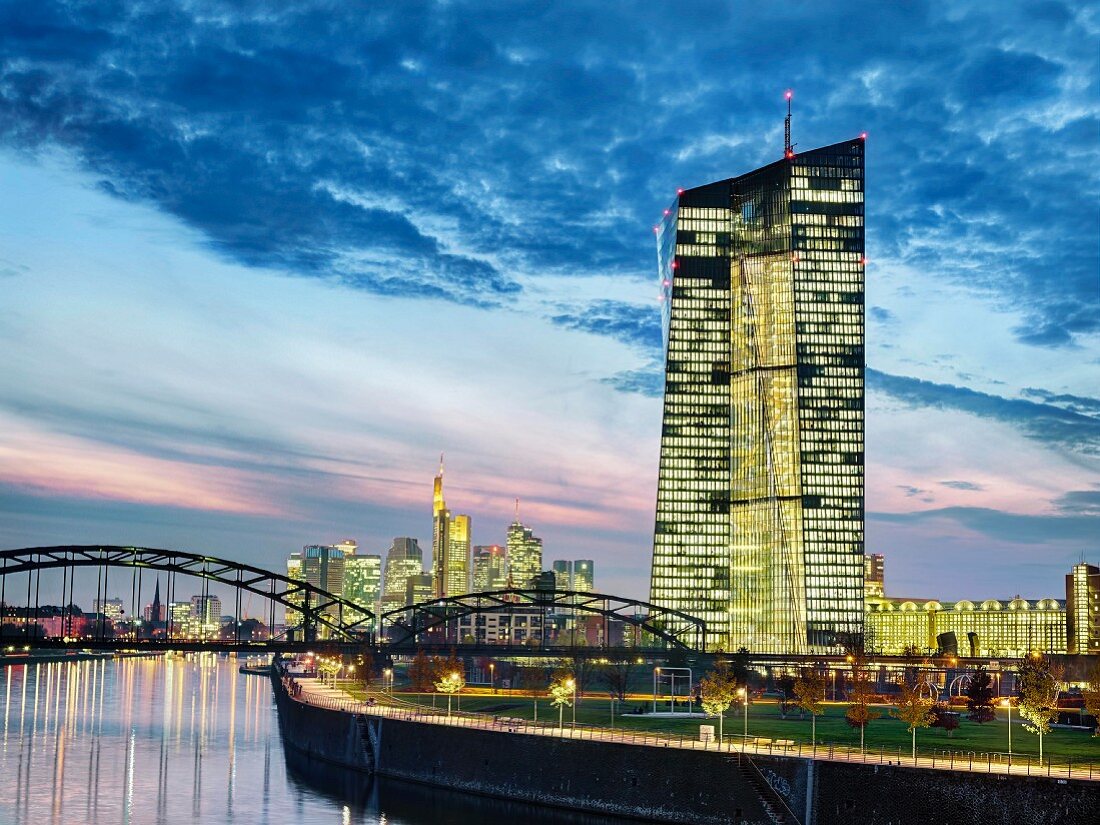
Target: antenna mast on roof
{"x": 788, "y": 148}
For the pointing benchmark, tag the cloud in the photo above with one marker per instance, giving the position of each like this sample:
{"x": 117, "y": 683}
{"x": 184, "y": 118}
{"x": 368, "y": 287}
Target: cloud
{"x": 649, "y": 381}
{"x": 1079, "y": 503}
{"x": 1010, "y": 528}
{"x": 882, "y": 315}
{"x": 1056, "y": 426}
{"x": 637, "y": 326}
{"x": 439, "y": 151}
{"x": 963, "y": 485}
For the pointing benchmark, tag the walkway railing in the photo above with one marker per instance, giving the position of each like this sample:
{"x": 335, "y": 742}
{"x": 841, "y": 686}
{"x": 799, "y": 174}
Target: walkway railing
{"x": 939, "y": 759}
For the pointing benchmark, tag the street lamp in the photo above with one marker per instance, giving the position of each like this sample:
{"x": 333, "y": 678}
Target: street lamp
{"x": 656, "y": 676}
{"x": 492, "y": 677}
{"x": 744, "y": 694}
{"x": 1007, "y": 703}
{"x": 387, "y": 678}
{"x": 572, "y": 683}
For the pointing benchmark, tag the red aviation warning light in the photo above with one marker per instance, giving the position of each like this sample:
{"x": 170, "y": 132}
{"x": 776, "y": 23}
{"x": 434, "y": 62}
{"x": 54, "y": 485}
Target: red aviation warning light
{"x": 863, "y": 136}
{"x": 788, "y": 147}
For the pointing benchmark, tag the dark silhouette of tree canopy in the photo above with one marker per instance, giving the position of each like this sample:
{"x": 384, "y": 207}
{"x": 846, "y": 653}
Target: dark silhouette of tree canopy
{"x": 979, "y": 697}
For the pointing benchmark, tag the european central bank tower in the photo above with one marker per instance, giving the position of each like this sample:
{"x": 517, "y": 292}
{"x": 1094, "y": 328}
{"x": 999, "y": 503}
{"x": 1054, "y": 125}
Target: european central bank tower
{"x": 759, "y": 527}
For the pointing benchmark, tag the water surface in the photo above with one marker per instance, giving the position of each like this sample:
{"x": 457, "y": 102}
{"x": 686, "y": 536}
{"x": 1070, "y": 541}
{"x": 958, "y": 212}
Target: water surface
{"x": 186, "y": 740}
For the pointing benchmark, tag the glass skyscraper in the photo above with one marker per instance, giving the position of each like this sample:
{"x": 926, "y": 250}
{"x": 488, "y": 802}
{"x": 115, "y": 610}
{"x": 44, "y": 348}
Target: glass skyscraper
{"x": 759, "y": 525}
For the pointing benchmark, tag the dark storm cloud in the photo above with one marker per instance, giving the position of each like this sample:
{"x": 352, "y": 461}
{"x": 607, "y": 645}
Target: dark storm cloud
{"x": 1047, "y": 423}
{"x": 435, "y": 149}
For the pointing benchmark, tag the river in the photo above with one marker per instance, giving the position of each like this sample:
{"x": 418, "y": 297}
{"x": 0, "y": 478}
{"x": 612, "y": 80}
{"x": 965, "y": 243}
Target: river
{"x": 190, "y": 740}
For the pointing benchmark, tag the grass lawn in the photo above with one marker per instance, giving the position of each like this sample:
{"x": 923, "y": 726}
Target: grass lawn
{"x": 764, "y": 721}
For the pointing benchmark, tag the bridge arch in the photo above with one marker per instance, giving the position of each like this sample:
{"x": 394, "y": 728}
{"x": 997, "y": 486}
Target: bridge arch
{"x": 318, "y": 608}
{"x": 678, "y": 629}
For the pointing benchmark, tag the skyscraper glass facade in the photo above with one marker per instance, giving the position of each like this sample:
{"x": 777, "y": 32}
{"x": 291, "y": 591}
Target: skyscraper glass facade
{"x": 759, "y": 527}
{"x": 524, "y": 555}
{"x": 363, "y": 582}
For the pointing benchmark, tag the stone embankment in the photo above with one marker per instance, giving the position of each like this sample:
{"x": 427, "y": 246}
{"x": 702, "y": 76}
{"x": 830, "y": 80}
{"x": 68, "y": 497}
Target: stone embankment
{"x": 655, "y": 778}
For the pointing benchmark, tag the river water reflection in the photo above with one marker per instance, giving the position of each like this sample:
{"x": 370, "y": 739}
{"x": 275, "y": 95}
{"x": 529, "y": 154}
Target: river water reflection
{"x": 189, "y": 739}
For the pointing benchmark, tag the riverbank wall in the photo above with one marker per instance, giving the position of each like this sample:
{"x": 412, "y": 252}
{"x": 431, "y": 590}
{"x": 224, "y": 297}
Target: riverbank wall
{"x": 661, "y": 784}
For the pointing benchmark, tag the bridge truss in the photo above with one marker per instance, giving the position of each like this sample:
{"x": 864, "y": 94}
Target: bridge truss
{"x": 322, "y": 615}
{"x": 441, "y": 620}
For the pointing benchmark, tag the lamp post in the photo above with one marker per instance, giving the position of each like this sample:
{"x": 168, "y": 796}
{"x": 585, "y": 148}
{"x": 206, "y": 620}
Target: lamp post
{"x": 387, "y": 680}
{"x": 656, "y": 676}
{"x": 492, "y": 677}
{"x": 744, "y": 694}
{"x": 1007, "y": 702}
{"x": 573, "y": 684}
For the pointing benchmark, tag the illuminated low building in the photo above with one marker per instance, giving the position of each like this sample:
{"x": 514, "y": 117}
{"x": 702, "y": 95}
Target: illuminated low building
{"x": 519, "y": 625}
{"x": 991, "y": 628}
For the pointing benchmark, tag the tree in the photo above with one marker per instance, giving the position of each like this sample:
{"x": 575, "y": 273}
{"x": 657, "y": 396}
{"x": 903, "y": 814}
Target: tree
{"x": 421, "y": 673}
{"x": 979, "y": 697}
{"x": 716, "y": 691}
{"x": 859, "y": 713}
{"x": 1037, "y": 685}
{"x": 809, "y": 693}
{"x": 913, "y": 709}
{"x": 785, "y": 686}
{"x": 562, "y": 689}
{"x": 616, "y": 677}
{"x": 450, "y": 684}
{"x": 945, "y": 718}
{"x": 1091, "y": 695}
{"x": 532, "y": 681}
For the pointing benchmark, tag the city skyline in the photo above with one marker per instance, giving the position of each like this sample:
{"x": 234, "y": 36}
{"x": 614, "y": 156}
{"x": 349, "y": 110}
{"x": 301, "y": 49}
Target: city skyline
{"x": 249, "y": 295}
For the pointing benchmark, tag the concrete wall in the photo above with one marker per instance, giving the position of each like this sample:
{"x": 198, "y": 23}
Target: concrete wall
{"x": 671, "y": 785}
{"x": 843, "y": 793}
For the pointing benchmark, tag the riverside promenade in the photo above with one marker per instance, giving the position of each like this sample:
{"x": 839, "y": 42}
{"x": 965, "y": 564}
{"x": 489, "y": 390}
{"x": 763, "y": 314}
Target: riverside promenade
{"x": 322, "y": 695}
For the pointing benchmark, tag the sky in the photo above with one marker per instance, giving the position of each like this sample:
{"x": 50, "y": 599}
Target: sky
{"x": 260, "y": 264}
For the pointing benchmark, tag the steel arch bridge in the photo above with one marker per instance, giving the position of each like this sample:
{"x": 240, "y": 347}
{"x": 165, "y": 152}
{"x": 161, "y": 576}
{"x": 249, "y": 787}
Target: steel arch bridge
{"x": 405, "y": 626}
{"x": 322, "y": 613}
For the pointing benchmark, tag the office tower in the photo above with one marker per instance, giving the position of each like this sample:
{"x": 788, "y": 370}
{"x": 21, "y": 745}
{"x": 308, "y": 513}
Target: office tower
{"x": 323, "y": 567}
{"x": 584, "y": 575}
{"x": 874, "y": 574}
{"x": 419, "y": 588}
{"x": 349, "y": 547}
{"x": 363, "y": 582}
{"x": 457, "y": 566}
{"x": 111, "y": 608}
{"x": 403, "y": 560}
{"x": 180, "y": 623}
{"x": 450, "y": 545}
{"x": 759, "y": 523}
{"x": 524, "y": 554}
{"x": 1083, "y": 609}
{"x": 441, "y": 521}
{"x": 294, "y": 572}
{"x": 563, "y": 574}
{"x": 206, "y": 616}
{"x": 489, "y": 570}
